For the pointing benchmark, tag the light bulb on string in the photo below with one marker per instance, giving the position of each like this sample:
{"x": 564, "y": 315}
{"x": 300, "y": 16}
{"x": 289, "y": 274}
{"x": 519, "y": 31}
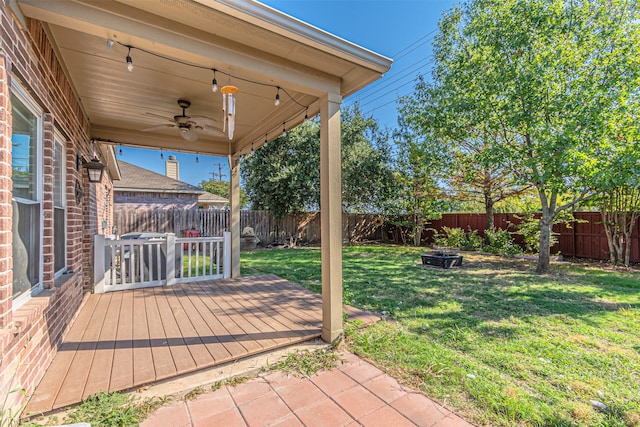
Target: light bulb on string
{"x": 277, "y": 103}
{"x": 197, "y": 159}
{"x": 161, "y": 155}
{"x": 266, "y": 139}
{"x": 109, "y": 44}
{"x": 306, "y": 114}
{"x": 214, "y": 83}
{"x": 252, "y": 148}
{"x": 129, "y": 61}
{"x": 120, "y": 151}
{"x": 284, "y": 129}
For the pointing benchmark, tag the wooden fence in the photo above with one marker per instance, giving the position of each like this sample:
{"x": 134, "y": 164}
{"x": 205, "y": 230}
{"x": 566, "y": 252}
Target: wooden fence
{"x": 269, "y": 229}
{"x": 583, "y": 239}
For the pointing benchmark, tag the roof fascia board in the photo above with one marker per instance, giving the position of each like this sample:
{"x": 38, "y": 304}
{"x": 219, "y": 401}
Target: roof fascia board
{"x": 269, "y": 18}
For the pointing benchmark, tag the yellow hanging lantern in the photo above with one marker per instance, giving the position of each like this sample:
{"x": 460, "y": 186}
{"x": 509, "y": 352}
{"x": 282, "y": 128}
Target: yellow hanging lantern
{"x": 229, "y": 109}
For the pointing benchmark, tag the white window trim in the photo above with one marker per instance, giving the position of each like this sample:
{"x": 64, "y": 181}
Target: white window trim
{"x": 59, "y": 139}
{"x": 19, "y": 92}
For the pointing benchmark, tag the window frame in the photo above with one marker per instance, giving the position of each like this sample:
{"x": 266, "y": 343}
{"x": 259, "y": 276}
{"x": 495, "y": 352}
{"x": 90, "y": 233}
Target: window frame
{"x": 58, "y": 139}
{"x": 19, "y": 92}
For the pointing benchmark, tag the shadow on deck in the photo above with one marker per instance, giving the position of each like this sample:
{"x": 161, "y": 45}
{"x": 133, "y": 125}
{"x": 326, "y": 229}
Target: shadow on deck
{"x": 123, "y": 340}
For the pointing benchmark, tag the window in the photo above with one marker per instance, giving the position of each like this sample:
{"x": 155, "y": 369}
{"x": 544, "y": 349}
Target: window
{"x": 26, "y": 141}
{"x": 59, "y": 206}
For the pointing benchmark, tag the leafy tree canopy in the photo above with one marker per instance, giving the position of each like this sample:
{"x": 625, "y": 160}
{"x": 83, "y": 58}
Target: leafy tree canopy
{"x": 221, "y": 188}
{"x": 284, "y": 176}
{"x": 555, "y": 83}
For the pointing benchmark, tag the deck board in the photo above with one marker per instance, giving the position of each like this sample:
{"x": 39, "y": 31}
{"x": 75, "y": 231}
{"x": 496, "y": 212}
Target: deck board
{"x": 100, "y": 372}
{"x": 162, "y": 358}
{"x": 78, "y": 373}
{"x": 122, "y": 365}
{"x": 127, "y": 339}
{"x": 143, "y": 368}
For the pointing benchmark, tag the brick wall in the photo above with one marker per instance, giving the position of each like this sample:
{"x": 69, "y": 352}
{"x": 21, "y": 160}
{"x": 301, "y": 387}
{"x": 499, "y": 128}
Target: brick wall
{"x": 30, "y": 335}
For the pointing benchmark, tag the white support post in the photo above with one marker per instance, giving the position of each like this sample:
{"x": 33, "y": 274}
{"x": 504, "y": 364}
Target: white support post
{"x": 98, "y": 264}
{"x": 171, "y": 259}
{"x": 226, "y": 264}
{"x": 331, "y": 216}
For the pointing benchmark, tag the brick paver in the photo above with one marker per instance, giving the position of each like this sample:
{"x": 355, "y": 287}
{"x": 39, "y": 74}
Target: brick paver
{"x": 355, "y": 393}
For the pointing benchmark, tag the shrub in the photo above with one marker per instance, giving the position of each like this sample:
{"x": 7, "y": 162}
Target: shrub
{"x": 500, "y": 242}
{"x": 450, "y": 237}
{"x": 472, "y": 241}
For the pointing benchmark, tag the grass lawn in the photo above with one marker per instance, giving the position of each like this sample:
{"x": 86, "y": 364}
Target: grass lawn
{"x": 493, "y": 341}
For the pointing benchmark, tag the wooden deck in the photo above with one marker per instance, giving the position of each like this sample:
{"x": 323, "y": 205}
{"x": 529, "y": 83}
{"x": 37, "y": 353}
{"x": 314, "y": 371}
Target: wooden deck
{"x": 121, "y": 340}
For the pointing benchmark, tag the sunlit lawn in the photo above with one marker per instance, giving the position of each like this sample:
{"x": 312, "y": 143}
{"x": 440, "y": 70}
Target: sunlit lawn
{"x": 493, "y": 341}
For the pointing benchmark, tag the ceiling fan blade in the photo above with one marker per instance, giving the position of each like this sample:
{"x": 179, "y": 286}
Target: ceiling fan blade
{"x": 158, "y": 116}
{"x": 158, "y": 127}
{"x": 190, "y": 135}
{"x": 210, "y": 130}
{"x": 202, "y": 120}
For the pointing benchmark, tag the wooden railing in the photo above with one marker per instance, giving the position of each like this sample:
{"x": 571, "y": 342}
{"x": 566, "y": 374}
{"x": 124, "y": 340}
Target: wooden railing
{"x": 121, "y": 264}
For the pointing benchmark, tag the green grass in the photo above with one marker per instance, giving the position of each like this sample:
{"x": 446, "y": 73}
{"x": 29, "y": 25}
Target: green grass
{"x": 203, "y": 265}
{"x": 495, "y": 342}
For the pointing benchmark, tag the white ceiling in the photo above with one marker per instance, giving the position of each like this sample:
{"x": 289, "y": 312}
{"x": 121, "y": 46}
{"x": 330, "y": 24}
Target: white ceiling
{"x": 246, "y": 39}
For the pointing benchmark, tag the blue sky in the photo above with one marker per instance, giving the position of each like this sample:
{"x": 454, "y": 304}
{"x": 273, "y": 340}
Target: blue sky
{"x": 399, "y": 29}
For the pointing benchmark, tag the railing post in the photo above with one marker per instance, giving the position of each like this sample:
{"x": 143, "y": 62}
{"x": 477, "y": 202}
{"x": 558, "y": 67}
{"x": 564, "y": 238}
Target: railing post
{"x": 226, "y": 265}
{"x": 98, "y": 264}
{"x": 171, "y": 259}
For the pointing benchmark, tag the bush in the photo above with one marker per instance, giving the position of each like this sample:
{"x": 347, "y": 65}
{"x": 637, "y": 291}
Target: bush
{"x": 457, "y": 238}
{"x": 449, "y": 238}
{"x": 500, "y": 242}
{"x": 472, "y": 241}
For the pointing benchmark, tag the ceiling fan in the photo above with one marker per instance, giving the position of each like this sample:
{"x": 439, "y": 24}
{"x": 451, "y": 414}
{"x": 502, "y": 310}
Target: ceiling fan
{"x": 189, "y": 126}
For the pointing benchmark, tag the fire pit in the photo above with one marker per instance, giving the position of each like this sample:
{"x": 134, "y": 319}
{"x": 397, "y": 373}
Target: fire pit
{"x": 442, "y": 259}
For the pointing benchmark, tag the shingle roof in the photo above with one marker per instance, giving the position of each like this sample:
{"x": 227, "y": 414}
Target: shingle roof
{"x": 211, "y": 198}
{"x": 135, "y": 178}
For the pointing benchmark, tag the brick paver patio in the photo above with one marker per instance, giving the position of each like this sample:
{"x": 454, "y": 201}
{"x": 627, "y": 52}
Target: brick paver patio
{"x": 352, "y": 394}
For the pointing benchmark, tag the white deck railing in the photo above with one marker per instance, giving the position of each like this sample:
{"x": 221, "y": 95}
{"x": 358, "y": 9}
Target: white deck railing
{"x": 121, "y": 264}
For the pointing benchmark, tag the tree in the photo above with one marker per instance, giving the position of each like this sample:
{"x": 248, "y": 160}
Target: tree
{"x": 221, "y": 188}
{"x": 284, "y": 176}
{"x": 620, "y": 208}
{"x": 421, "y": 165}
{"x": 552, "y": 77}
{"x": 473, "y": 171}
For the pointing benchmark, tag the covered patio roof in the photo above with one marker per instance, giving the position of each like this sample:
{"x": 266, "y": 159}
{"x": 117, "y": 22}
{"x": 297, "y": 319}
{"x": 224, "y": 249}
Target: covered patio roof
{"x": 251, "y": 45}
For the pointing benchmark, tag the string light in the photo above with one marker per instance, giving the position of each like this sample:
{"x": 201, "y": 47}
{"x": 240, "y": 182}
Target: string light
{"x": 120, "y": 151}
{"x": 252, "y": 148}
{"x": 214, "y": 83}
{"x": 129, "y": 60}
{"x": 197, "y": 159}
{"x": 284, "y": 129}
{"x": 109, "y": 44}
{"x": 306, "y": 114}
{"x": 161, "y": 155}
{"x": 277, "y": 103}
{"x": 266, "y": 139}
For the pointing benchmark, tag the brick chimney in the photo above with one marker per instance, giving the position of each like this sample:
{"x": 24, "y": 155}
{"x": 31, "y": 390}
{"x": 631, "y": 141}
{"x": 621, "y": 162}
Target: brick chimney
{"x": 172, "y": 168}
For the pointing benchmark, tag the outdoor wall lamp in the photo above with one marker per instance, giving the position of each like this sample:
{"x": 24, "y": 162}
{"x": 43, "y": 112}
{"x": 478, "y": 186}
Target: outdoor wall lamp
{"x": 95, "y": 169}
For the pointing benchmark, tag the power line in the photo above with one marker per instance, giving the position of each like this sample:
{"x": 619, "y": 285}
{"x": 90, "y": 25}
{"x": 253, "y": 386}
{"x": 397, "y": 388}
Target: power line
{"x": 429, "y": 60}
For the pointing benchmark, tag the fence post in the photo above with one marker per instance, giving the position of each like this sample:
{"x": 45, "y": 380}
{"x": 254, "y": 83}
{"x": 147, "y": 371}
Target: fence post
{"x": 98, "y": 264}
{"x": 171, "y": 259}
{"x": 226, "y": 266}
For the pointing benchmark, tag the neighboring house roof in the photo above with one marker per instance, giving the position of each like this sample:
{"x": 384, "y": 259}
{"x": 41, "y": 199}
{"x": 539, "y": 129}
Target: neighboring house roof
{"x": 135, "y": 178}
{"x": 210, "y": 199}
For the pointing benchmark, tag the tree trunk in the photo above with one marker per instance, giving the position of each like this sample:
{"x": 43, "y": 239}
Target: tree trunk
{"x": 544, "y": 252}
{"x": 417, "y": 229}
{"x": 488, "y": 209}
